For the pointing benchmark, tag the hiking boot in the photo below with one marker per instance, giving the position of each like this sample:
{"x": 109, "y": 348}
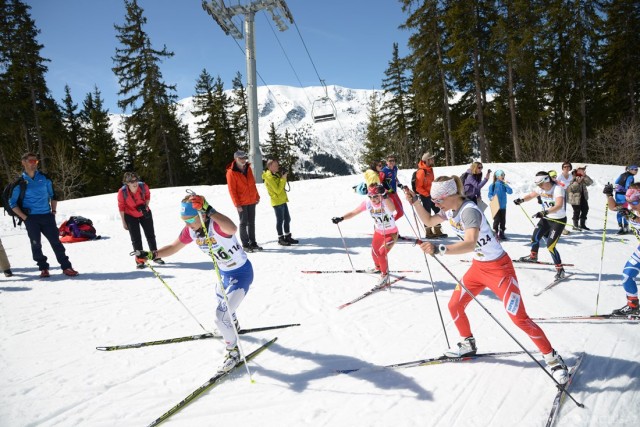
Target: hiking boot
{"x": 501, "y": 235}
{"x": 8, "y": 273}
{"x": 70, "y": 272}
{"x": 530, "y": 258}
{"x": 557, "y": 366}
{"x": 290, "y": 239}
{"x": 560, "y": 273}
{"x": 282, "y": 241}
{"x": 141, "y": 265}
{"x": 466, "y": 347}
{"x": 44, "y": 273}
{"x": 384, "y": 281}
{"x": 429, "y": 234}
{"x": 254, "y": 247}
{"x": 159, "y": 261}
{"x": 583, "y": 225}
{"x": 437, "y": 231}
{"x": 247, "y": 248}
{"x": 621, "y": 231}
{"x": 230, "y": 360}
{"x": 575, "y": 225}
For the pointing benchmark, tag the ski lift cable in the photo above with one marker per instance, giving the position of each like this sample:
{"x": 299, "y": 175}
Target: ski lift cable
{"x": 266, "y": 85}
{"x": 284, "y": 52}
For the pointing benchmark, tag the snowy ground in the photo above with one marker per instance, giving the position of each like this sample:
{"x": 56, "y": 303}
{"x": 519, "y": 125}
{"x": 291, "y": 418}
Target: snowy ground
{"x": 52, "y": 375}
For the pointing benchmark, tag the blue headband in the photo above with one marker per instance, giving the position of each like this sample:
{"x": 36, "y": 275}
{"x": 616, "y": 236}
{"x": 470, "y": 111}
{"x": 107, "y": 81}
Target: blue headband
{"x": 186, "y": 209}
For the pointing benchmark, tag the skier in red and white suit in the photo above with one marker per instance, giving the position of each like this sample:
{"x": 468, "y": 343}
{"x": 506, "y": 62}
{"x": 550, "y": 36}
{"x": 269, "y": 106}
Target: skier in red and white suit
{"x": 491, "y": 268}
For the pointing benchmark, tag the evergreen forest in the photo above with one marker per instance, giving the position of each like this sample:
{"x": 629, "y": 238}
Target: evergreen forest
{"x": 495, "y": 81}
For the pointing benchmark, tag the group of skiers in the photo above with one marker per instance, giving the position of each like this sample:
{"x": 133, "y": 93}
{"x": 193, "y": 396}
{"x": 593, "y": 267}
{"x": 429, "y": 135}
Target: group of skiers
{"x": 458, "y": 201}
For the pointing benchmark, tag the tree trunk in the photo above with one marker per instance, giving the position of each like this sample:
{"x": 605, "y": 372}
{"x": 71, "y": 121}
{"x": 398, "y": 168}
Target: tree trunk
{"x": 484, "y": 153}
{"x": 512, "y": 111}
{"x": 449, "y": 161}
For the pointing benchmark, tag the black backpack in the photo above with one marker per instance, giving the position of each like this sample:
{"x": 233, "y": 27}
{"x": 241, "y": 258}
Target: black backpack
{"x": 6, "y": 196}
{"x": 125, "y": 190}
{"x": 413, "y": 180}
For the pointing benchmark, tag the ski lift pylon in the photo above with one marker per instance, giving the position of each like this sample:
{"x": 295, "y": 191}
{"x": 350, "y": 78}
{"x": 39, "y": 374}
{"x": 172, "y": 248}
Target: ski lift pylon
{"x": 323, "y": 109}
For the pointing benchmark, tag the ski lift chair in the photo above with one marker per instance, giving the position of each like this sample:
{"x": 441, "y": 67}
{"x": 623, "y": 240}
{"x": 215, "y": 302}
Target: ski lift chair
{"x": 323, "y": 109}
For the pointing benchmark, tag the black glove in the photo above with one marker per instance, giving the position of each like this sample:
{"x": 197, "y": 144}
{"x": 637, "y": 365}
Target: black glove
{"x": 539, "y": 200}
{"x": 540, "y": 214}
{"x": 518, "y": 201}
{"x": 608, "y": 189}
{"x": 337, "y": 219}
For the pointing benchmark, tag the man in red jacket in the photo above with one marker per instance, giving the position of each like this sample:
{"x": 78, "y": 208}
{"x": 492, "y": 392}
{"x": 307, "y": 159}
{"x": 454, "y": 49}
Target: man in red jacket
{"x": 245, "y": 197}
{"x": 424, "y": 178}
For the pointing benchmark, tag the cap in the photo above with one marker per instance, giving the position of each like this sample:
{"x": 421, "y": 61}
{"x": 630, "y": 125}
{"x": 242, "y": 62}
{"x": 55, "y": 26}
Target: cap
{"x": 426, "y": 156}
{"x": 499, "y": 172}
{"x": 186, "y": 209}
{"x": 632, "y": 167}
{"x": 240, "y": 155}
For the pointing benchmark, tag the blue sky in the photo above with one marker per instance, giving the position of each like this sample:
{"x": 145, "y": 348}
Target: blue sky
{"x": 349, "y": 41}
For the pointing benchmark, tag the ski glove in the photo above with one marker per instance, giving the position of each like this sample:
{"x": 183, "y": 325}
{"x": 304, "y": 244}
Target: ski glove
{"x": 199, "y": 203}
{"x": 540, "y": 214}
{"x": 337, "y": 219}
{"x": 518, "y": 201}
{"x": 143, "y": 256}
{"x": 608, "y": 189}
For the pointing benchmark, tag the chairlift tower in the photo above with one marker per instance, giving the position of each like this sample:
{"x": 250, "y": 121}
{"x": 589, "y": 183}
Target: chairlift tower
{"x": 223, "y": 16}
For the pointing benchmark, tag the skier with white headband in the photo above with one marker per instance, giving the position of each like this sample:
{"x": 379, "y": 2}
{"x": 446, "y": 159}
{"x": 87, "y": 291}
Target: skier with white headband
{"x": 553, "y": 218}
{"x": 491, "y": 268}
{"x": 630, "y": 270}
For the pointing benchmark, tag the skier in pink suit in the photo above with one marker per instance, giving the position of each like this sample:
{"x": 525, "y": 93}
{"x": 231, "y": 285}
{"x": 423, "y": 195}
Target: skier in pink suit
{"x": 385, "y": 235}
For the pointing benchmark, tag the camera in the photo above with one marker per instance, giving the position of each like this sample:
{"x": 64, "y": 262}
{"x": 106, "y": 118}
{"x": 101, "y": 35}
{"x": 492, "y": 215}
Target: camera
{"x": 144, "y": 210}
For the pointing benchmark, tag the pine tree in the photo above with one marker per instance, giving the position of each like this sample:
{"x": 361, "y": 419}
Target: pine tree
{"x": 71, "y": 121}
{"x": 162, "y": 149}
{"x": 375, "y": 148}
{"x": 29, "y": 117}
{"x": 103, "y": 167}
{"x": 240, "y": 116}
{"x": 396, "y": 109}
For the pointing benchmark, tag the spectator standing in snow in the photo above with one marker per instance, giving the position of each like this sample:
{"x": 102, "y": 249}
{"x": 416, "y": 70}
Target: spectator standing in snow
{"x": 38, "y": 212}
{"x": 424, "y": 179}
{"x": 5, "y": 266}
{"x": 391, "y": 185}
{"x": 491, "y": 268}
{"x": 245, "y": 197}
{"x": 621, "y": 185}
{"x": 385, "y": 235}
{"x": 275, "y": 184}
{"x": 235, "y": 269}
{"x": 133, "y": 204}
{"x": 578, "y": 197}
{"x": 499, "y": 188}
{"x": 474, "y": 182}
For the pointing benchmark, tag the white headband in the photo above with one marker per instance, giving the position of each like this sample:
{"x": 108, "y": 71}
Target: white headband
{"x": 442, "y": 189}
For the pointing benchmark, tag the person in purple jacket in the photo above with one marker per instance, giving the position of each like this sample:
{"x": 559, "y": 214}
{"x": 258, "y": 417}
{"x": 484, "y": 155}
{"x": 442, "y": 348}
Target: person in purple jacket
{"x": 473, "y": 182}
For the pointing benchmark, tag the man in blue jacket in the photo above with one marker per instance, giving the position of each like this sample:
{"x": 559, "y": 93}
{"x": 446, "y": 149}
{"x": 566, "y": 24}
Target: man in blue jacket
{"x": 38, "y": 213}
{"x": 621, "y": 185}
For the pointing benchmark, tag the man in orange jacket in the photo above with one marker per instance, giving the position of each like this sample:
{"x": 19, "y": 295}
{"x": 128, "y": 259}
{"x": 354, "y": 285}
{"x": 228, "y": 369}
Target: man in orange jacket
{"x": 245, "y": 197}
{"x": 424, "y": 178}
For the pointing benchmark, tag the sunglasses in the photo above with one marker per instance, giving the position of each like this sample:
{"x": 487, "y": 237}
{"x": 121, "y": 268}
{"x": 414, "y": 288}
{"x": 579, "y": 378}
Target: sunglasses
{"x": 33, "y": 161}
{"x": 191, "y": 220}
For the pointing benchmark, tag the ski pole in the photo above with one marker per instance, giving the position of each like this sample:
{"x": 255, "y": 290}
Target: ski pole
{"x": 224, "y": 291}
{"x": 172, "y": 293}
{"x": 462, "y": 285}
{"x": 604, "y": 236}
{"x": 345, "y": 247}
{"x": 433, "y": 286}
{"x": 527, "y": 215}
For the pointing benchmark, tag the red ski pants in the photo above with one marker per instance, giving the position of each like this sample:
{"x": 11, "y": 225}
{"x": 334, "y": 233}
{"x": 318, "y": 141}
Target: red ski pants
{"x": 380, "y": 247}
